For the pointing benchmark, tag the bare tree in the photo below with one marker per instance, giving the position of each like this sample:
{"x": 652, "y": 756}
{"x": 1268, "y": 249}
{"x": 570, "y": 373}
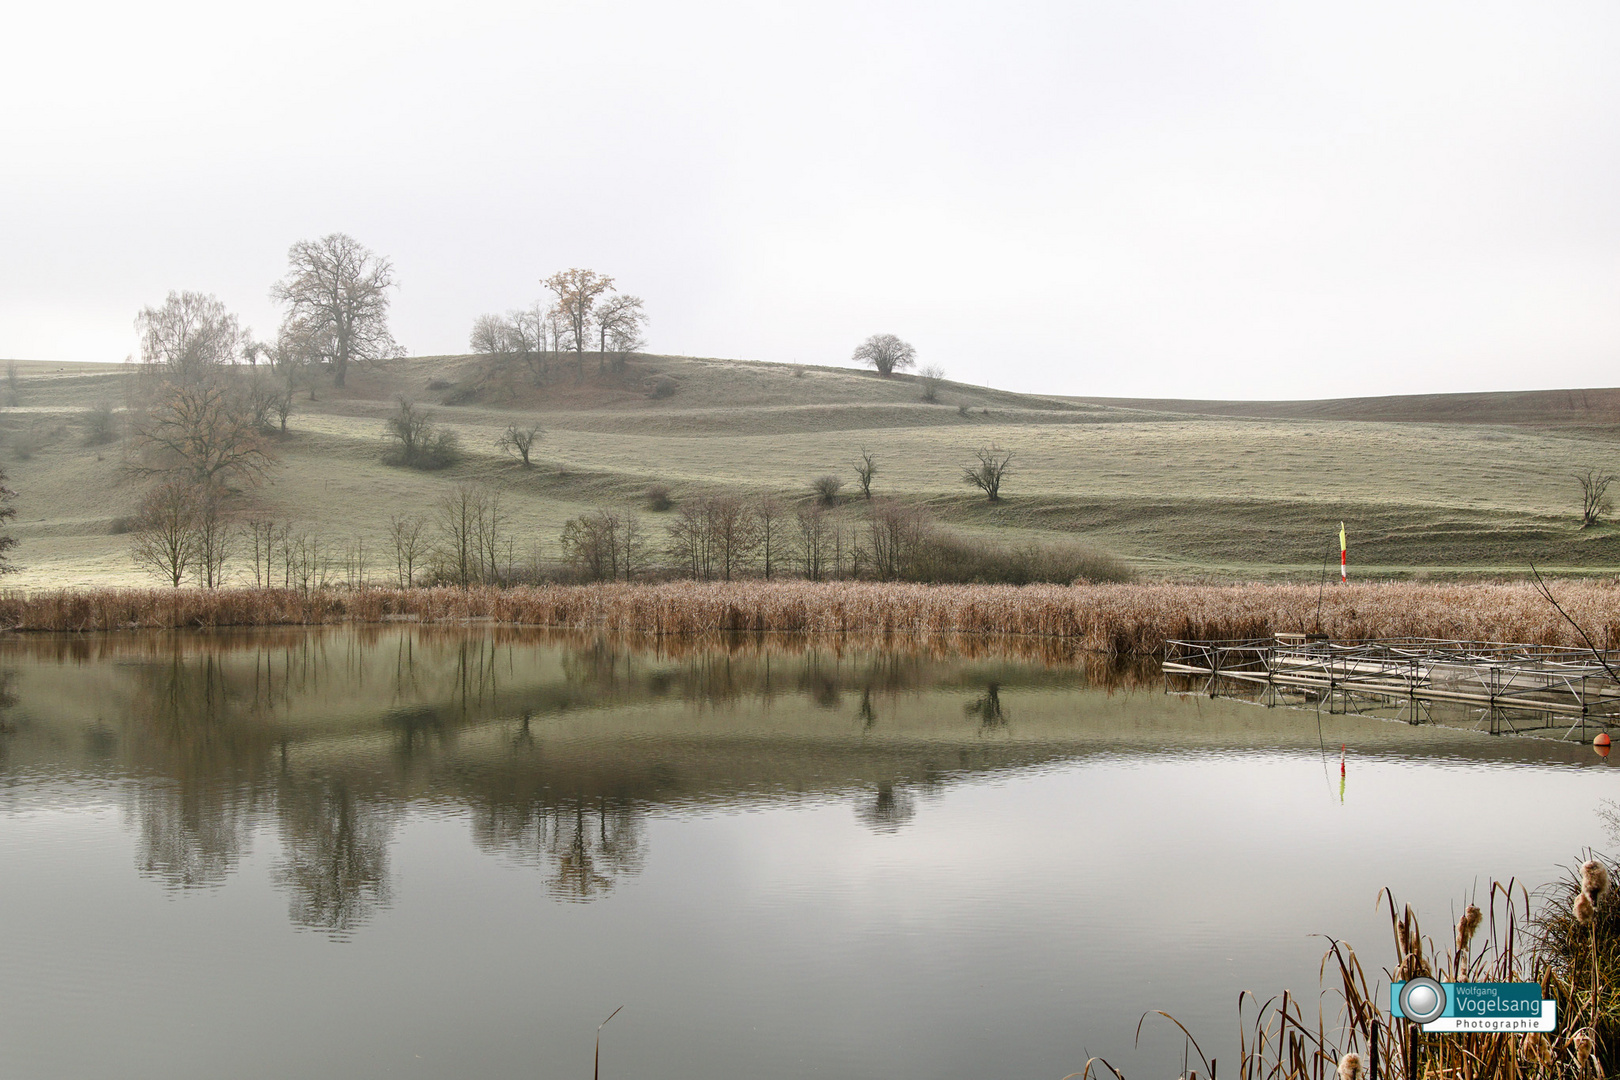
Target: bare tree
{"x": 211, "y": 538}
{"x": 885, "y": 352}
{"x": 190, "y": 335}
{"x": 577, "y": 293}
{"x": 1594, "y": 485}
{"x": 604, "y": 545}
{"x": 932, "y": 376}
{"x": 201, "y": 427}
{"x": 470, "y": 521}
{"x": 691, "y": 539}
{"x": 619, "y": 320}
{"x": 336, "y": 295}
{"x": 895, "y": 534}
{"x": 518, "y": 438}
{"x": 865, "y": 470}
{"x": 489, "y": 335}
{"x": 164, "y": 538}
{"x": 770, "y": 514}
{"x": 263, "y": 537}
{"x": 405, "y": 532}
{"x": 814, "y": 540}
{"x": 988, "y": 473}
{"x": 736, "y": 533}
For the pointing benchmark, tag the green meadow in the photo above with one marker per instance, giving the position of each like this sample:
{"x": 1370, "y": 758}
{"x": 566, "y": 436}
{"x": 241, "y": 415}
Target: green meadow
{"x": 1438, "y": 486}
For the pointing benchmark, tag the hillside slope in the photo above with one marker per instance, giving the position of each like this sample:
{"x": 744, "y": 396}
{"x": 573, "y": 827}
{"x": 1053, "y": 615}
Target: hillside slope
{"x": 1448, "y": 484}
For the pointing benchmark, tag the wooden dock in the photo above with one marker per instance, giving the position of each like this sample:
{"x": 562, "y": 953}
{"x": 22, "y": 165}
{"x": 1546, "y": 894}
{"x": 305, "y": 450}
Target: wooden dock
{"x": 1554, "y": 685}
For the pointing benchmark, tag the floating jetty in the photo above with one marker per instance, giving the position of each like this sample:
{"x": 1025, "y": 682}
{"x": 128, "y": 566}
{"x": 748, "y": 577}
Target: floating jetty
{"x": 1514, "y": 687}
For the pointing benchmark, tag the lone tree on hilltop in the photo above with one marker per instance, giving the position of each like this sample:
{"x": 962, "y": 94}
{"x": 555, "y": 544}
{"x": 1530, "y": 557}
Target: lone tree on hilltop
{"x": 336, "y": 293}
{"x": 988, "y": 473}
{"x": 1595, "y": 503}
{"x": 886, "y": 353}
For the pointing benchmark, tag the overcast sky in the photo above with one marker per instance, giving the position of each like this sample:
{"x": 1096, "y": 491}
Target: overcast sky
{"x": 1132, "y": 198}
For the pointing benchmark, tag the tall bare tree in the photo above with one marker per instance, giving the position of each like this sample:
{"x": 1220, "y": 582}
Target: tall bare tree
{"x": 191, "y": 334}
{"x": 405, "y": 532}
{"x": 211, "y": 537}
{"x": 885, "y": 352}
{"x": 735, "y": 531}
{"x": 988, "y": 473}
{"x": 771, "y": 515}
{"x": 577, "y": 293}
{"x": 336, "y": 295}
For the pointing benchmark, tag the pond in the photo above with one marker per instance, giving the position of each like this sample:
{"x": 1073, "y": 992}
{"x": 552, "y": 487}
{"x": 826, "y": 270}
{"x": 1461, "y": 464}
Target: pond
{"x": 431, "y": 852}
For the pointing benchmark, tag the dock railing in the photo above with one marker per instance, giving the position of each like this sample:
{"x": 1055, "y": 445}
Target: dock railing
{"x": 1552, "y": 681}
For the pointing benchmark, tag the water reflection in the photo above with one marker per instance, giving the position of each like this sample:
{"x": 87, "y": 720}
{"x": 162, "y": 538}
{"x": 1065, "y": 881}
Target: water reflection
{"x": 555, "y": 748}
{"x": 334, "y": 866}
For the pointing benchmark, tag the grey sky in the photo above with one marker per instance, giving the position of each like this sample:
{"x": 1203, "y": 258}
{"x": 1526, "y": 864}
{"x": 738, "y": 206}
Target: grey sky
{"x": 1187, "y": 199}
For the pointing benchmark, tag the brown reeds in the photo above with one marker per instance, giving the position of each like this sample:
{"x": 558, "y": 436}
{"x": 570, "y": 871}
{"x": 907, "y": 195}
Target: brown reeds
{"x": 1279, "y": 1041}
{"x": 1119, "y": 620}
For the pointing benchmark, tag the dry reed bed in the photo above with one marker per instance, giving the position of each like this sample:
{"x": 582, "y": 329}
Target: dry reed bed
{"x": 1120, "y": 620}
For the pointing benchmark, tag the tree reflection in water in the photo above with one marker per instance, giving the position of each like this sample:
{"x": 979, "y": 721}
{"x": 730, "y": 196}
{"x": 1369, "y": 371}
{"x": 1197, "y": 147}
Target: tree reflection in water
{"x": 888, "y": 809}
{"x": 334, "y": 865}
{"x": 585, "y": 845}
{"x": 555, "y": 745}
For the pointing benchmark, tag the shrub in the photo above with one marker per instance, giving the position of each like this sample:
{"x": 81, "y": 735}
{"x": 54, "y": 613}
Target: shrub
{"x": 421, "y": 443}
{"x": 460, "y": 395}
{"x": 662, "y": 387}
{"x": 100, "y": 425}
{"x": 951, "y": 558}
{"x": 439, "y": 384}
{"x": 827, "y": 488}
{"x": 658, "y": 498}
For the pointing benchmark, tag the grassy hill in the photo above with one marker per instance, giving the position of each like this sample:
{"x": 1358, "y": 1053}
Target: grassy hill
{"x": 1430, "y": 485}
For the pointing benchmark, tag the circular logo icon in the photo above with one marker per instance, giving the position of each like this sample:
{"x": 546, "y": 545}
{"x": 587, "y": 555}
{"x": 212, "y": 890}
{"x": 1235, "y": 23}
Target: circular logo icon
{"x": 1423, "y": 1000}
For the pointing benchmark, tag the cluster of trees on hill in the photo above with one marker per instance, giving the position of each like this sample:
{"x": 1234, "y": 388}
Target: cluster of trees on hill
{"x": 586, "y": 313}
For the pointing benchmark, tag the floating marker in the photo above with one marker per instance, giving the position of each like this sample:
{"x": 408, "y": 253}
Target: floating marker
{"x": 1601, "y": 744}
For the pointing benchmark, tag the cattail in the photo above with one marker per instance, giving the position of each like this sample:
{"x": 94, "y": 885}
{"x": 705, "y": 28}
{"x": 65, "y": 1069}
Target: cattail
{"x": 1581, "y": 1045}
{"x": 1350, "y": 1067}
{"x": 1467, "y": 926}
{"x": 1583, "y": 909}
{"x": 1536, "y": 1048}
{"x": 1594, "y": 879}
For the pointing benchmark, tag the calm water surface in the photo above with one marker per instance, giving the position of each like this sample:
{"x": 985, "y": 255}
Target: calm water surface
{"x": 434, "y": 853}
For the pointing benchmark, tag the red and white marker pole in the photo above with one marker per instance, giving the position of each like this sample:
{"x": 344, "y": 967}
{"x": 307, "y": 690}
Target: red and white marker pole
{"x": 1344, "y": 558}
